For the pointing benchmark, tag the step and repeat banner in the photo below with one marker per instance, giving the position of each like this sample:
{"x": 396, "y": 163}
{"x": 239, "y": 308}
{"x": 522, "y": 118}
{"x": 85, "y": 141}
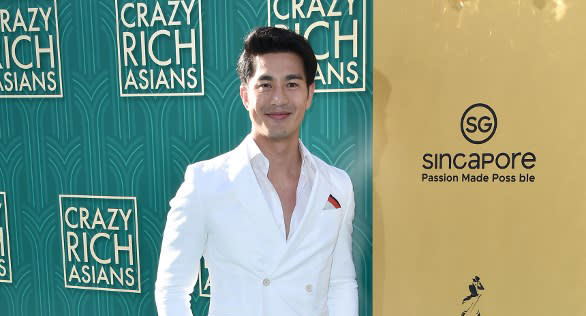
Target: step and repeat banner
{"x": 103, "y": 104}
{"x": 479, "y": 151}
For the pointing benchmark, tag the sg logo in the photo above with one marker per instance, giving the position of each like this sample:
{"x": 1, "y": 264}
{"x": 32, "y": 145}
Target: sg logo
{"x": 478, "y": 123}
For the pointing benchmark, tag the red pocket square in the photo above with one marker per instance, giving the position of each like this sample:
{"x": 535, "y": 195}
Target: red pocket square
{"x": 333, "y": 201}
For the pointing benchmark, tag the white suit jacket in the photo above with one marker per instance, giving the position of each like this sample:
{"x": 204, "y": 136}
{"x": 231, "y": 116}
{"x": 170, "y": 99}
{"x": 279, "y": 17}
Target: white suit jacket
{"x": 219, "y": 212}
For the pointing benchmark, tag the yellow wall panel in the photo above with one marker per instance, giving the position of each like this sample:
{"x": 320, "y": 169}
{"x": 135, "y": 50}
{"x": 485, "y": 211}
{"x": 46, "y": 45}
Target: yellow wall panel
{"x": 526, "y": 59}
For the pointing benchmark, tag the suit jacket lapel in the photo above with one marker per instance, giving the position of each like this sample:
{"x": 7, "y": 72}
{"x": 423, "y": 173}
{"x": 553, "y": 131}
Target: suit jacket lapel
{"x": 251, "y": 198}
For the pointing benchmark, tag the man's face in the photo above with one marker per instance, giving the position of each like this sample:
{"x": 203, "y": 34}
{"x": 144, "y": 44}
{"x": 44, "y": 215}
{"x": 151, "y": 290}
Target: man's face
{"x": 277, "y": 96}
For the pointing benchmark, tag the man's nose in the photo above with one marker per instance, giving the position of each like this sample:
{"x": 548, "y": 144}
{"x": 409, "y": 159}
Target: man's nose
{"x": 279, "y": 96}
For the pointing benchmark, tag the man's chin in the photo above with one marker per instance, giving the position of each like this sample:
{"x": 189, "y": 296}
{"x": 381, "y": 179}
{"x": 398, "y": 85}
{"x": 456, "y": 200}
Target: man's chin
{"x": 278, "y": 135}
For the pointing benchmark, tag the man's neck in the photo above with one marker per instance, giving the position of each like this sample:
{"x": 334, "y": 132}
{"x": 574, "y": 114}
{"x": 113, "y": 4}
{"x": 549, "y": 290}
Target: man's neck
{"x": 284, "y": 155}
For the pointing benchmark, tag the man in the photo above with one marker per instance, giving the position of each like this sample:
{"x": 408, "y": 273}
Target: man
{"x": 273, "y": 222}
{"x": 474, "y": 288}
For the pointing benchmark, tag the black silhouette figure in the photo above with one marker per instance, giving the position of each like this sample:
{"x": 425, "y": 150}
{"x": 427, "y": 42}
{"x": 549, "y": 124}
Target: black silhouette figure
{"x": 474, "y": 288}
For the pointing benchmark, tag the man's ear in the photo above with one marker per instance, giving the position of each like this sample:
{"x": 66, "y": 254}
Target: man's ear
{"x": 244, "y": 95}
{"x": 310, "y": 92}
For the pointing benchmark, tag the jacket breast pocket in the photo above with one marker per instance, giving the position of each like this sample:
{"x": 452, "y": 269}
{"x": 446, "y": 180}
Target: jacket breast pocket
{"x": 331, "y": 214}
{"x": 328, "y": 225}
{"x": 331, "y": 211}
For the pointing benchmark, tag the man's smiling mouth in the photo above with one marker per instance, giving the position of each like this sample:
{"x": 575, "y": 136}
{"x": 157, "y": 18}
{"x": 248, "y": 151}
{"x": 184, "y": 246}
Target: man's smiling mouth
{"x": 278, "y": 115}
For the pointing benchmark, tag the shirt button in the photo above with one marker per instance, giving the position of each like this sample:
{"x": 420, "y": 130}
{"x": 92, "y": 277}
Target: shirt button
{"x": 266, "y": 282}
{"x": 308, "y": 288}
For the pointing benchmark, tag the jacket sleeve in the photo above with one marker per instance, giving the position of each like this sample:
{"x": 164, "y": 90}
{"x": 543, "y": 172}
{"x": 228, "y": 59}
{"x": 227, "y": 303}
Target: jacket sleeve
{"x": 343, "y": 289}
{"x": 183, "y": 244}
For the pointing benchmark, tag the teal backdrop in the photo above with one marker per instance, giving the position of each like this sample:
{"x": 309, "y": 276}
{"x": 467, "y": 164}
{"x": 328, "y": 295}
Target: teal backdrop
{"x": 91, "y": 141}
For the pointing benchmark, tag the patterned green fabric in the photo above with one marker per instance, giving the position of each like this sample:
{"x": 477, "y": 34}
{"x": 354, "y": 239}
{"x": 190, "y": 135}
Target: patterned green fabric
{"x": 94, "y": 142}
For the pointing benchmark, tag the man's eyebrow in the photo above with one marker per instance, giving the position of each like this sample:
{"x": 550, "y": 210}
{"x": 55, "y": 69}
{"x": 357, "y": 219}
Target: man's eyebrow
{"x": 265, "y": 77}
{"x": 294, "y": 76}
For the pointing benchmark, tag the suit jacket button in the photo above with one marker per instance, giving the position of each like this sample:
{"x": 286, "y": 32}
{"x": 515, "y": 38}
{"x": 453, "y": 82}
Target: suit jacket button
{"x": 308, "y": 288}
{"x": 266, "y": 282}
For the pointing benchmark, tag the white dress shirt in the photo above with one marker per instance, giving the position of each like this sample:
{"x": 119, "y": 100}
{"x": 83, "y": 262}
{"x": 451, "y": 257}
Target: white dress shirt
{"x": 260, "y": 166}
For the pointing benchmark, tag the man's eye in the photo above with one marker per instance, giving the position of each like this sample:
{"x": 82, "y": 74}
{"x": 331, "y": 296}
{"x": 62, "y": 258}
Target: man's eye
{"x": 292, "y": 84}
{"x": 264, "y": 85}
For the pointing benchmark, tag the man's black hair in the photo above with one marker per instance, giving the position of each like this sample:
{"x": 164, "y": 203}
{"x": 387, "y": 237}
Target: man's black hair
{"x": 268, "y": 39}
